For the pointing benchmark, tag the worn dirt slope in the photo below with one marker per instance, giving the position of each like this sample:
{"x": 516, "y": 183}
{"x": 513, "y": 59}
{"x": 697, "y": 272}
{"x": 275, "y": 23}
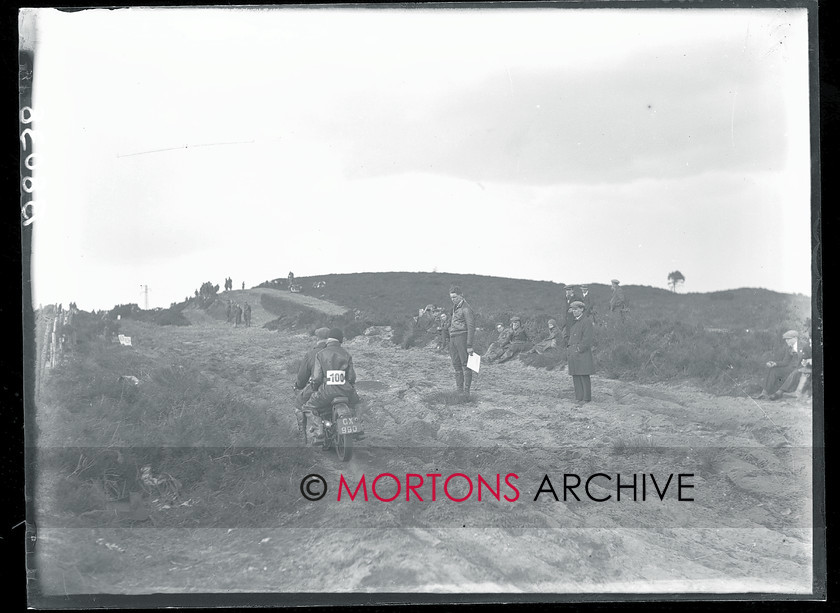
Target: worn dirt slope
{"x": 748, "y": 528}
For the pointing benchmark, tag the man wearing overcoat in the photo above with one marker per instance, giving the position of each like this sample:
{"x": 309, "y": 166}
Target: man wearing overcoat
{"x": 581, "y": 363}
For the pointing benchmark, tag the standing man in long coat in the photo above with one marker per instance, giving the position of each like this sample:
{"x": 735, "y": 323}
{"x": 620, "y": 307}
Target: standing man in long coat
{"x": 581, "y": 364}
{"x": 461, "y": 335}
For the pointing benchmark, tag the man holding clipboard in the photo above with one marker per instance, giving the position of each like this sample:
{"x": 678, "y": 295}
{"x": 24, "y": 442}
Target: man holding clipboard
{"x": 461, "y": 334}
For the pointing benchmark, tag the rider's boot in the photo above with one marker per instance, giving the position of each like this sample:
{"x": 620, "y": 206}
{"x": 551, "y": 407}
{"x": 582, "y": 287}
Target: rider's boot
{"x": 315, "y": 430}
{"x": 299, "y": 418}
{"x": 459, "y": 381}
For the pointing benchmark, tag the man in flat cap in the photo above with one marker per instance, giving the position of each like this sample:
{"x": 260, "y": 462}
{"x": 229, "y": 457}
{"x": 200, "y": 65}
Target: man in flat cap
{"x": 551, "y": 342}
{"x": 782, "y": 373}
{"x": 588, "y": 306}
{"x": 518, "y": 340}
{"x": 568, "y": 322}
{"x": 461, "y": 335}
{"x": 618, "y": 302}
{"x": 581, "y": 364}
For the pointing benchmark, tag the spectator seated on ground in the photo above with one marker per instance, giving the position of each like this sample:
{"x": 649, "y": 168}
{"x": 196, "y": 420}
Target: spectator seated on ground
{"x": 550, "y": 344}
{"x": 426, "y": 320}
{"x": 799, "y": 380}
{"x": 497, "y": 347}
{"x": 421, "y": 325}
{"x": 784, "y": 374}
{"x": 519, "y": 342}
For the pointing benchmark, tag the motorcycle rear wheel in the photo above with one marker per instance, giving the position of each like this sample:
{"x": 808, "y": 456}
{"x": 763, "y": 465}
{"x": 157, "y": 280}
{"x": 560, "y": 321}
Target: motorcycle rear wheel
{"x": 344, "y": 447}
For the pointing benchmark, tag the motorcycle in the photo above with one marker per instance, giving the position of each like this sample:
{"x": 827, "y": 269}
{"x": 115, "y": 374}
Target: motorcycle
{"x": 342, "y": 427}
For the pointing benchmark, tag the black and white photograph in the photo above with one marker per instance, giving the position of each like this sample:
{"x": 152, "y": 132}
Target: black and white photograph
{"x": 442, "y": 301}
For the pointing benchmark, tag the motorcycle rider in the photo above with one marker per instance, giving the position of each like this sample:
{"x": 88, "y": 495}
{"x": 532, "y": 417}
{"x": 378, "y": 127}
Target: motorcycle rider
{"x": 333, "y": 375}
{"x": 303, "y": 389}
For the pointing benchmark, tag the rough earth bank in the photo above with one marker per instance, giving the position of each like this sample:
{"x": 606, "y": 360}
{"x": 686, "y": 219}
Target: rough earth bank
{"x": 748, "y": 528}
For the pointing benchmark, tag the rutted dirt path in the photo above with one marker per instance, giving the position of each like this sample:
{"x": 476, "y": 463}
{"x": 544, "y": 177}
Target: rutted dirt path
{"x": 748, "y": 528}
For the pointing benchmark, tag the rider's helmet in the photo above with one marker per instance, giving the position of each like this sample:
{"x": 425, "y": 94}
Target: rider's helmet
{"x": 337, "y": 334}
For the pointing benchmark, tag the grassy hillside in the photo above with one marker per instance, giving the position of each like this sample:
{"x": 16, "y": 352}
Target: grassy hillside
{"x": 389, "y": 297}
{"x": 721, "y": 340}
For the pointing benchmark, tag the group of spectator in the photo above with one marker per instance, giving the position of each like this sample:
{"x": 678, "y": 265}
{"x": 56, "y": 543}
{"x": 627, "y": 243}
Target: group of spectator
{"x": 432, "y": 318}
{"x": 236, "y": 314}
{"x": 229, "y": 284}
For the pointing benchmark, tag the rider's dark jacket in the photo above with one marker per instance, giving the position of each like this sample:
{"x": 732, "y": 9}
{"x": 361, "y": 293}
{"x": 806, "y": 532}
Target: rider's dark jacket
{"x": 333, "y": 357}
{"x": 306, "y": 366}
{"x": 462, "y": 321}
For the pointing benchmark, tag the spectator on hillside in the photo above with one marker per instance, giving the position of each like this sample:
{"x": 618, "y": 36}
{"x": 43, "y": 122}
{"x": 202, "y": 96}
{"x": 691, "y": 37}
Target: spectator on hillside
{"x": 425, "y": 322}
{"x": 443, "y": 333}
{"x": 461, "y": 335}
{"x": 568, "y": 322}
{"x": 229, "y": 311}
{"x": 426, "y": 319}
{"x": 243, "y": 285}
{"x": 247, "y": 314}
{"x": 518, "y": 340}
{"x": 237, "y": 313}
{"x": 497, "y": 347}
{"x": 551, "y": 342}
{"x": 618, "y": 302}
{"x": 797, "y": 381}
{"x": 784, "y": 372}
{"x": 588, "y": 305}
{"x": 581, "y": 364}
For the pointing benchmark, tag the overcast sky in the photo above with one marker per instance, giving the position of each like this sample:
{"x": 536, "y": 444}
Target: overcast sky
{"x": 177, "y": 146}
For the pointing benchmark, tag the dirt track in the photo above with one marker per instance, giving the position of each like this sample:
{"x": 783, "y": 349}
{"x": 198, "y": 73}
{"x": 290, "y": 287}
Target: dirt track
{"x": 748, "y": 528}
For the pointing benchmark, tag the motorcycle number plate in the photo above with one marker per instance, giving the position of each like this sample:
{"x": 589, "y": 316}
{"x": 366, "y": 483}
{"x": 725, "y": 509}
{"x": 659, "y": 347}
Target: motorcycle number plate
{"x": 335, "y": 377}
{"x": 349, "y": 425}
